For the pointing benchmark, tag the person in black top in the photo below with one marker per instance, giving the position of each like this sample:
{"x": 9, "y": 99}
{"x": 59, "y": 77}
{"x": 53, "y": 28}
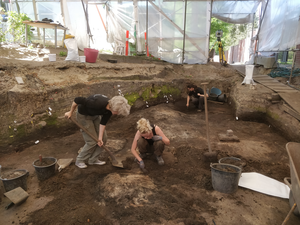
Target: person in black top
{"x": 148, "y": 139}
{"x": 93, "y": 113}
{"x": 198, "y": 97}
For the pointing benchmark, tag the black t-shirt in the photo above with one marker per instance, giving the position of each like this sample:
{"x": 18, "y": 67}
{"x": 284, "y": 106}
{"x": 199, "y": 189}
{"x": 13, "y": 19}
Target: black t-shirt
{"x": 195, "y": 92}
{"x": 94, "y": 105}
{"x": 150, "y": 141}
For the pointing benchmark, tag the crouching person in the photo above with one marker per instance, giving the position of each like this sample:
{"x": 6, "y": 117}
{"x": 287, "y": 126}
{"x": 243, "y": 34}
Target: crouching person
{"x": 150, "y": 140}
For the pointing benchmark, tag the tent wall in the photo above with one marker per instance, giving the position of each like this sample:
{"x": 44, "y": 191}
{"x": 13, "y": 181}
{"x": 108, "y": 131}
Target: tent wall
{"x": 280, "y": 28}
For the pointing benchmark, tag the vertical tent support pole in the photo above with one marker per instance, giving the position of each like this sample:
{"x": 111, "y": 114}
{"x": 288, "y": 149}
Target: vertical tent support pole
{"x": 294, "y": 57}
{"x": 44, "y": 37}
{"x": 26, "y": 39}
{"x": 55, "y": 36}
{"x": 137, "y": 29}
{"x": 184, "y": 26}
{"x": 36, "y": 16}
{"x": 147, "y": 51}
{"x": 211, "y": 2}
{"x": 260, "y": 26}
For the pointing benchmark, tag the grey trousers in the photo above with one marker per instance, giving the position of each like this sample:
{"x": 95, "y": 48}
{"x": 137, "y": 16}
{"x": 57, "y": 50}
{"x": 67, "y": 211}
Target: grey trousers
{"x": 157, "y": 148}
{"x": 199, "y": 102}
{"x": 91, "y": 149}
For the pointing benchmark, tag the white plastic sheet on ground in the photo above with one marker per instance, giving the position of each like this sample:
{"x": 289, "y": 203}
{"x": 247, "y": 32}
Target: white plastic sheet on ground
{"x": 263, "y": 184}
{"x": 280, "y": 29}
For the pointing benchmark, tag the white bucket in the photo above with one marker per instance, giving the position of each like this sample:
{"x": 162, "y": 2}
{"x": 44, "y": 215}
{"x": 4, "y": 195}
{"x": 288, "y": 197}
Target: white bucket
{"x": 52, "y": 57}
{"x": 82, "y": 59}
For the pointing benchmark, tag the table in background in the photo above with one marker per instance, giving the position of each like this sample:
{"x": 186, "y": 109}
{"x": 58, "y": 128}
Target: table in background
{"x": 54, "y": 26}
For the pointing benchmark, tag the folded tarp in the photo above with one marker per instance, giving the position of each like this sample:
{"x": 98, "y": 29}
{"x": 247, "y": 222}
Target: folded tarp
{"x": 263, "y": 184}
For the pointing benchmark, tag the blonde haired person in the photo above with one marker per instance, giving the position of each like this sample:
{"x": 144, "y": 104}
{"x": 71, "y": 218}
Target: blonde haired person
{"x": 93, "y": 113}
{"x": 149, "y": 139}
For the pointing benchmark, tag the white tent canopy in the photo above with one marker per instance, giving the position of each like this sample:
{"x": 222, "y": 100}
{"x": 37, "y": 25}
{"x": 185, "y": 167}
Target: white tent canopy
{"x": 280, "y": 28}
{"x": 177, "y": 31}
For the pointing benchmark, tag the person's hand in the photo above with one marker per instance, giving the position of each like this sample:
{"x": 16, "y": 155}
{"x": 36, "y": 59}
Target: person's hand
{"x": 100, "y": 143}
{"x": 187, "y": 104}
{"x": 68, "y": 114}
{"x": 156, "y": 138}
{"x": 142, "y": 164}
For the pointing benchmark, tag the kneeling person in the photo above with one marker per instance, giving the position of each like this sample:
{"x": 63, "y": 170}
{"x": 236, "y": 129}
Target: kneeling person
{"x": 149, "y": 139}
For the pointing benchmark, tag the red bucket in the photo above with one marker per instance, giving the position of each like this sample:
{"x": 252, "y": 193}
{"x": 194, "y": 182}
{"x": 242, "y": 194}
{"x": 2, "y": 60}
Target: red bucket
{"x": 91, "y": 55}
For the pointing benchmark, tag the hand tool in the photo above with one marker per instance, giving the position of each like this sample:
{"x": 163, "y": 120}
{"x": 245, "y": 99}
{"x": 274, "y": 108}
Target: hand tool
{"x": 114, "y": 161}
{"x": 209, "y": 156}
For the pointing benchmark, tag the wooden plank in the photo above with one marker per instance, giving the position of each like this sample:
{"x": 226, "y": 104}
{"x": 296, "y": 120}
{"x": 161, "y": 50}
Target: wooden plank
{"x": 292, "y": 112}
{"x": 261, "y": 76}
{"x": 292, "y": 99}
{"x": 268, "y": 82}
{"x": 292, "y": 91}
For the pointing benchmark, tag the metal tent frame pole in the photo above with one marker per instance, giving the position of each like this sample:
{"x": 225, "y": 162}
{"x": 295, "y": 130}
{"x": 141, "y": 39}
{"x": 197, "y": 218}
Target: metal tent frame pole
{"x": 147, "y": 28}
{"x": 260, "y": 26}
{"x": 184, "y": 27}
{"x": 177, "y": 27}
{"x": 36, "y": 18}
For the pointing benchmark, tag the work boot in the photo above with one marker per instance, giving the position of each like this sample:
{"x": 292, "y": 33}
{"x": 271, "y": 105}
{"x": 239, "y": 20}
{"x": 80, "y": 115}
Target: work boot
{"x": 160, "y": 160}
{"x": 81, "y": 165}
{"x": 97, "y": 162}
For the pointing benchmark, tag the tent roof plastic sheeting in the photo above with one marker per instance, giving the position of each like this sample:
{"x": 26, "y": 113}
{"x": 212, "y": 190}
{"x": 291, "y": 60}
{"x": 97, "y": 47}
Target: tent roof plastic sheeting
{"x": 280, "y": 28}
{"x": 237, "y": 12}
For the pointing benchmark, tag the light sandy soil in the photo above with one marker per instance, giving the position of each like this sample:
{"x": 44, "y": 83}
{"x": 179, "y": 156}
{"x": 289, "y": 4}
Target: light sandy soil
{"x": 180, "y": 192}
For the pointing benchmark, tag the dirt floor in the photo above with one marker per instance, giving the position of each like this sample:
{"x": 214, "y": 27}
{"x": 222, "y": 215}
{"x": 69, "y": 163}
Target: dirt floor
{"x": 178, "y": 193}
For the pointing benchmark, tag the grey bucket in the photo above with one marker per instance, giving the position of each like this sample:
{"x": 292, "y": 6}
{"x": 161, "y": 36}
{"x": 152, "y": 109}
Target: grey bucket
{"x": 225, "y": 181}
{"x": 21, "y": 181}
{"x": 44, "y": 172}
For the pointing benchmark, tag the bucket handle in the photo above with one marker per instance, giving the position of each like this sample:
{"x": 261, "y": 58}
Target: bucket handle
{"x": 287, "y": 182}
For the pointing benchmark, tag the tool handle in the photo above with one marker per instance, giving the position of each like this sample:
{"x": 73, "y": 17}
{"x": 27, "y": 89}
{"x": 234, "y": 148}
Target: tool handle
{"x": 206, "y": 116}
{"x": 94, "y": 138}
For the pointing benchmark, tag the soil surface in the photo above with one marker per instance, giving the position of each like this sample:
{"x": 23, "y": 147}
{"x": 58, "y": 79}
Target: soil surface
{"x": 177, "y": 193}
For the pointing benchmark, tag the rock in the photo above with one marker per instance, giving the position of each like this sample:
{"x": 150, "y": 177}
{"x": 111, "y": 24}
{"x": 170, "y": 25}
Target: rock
{"x": 42, "y": 123}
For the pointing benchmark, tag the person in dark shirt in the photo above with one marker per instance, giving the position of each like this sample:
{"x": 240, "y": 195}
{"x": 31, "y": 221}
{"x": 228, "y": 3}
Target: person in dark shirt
{"x": 149, "y": 139}
{"x": 93, "y": 113}
{"x": 197, "y": 95}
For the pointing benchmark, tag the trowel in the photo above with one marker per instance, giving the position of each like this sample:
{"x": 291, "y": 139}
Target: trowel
{"x": 17, "y": 196}
{"x": 114, "y": 161}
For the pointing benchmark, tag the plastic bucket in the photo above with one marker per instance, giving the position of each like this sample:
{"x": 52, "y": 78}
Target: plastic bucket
{"x": 19, "y": 181}
{"x": 213, "y": 97}
{"x": 44, "y": 172}
{"x": 82, "y": 58}
{"x": 233, "y": 161}
{"x": 52, "y": 57}
{"x": 225, "y": 177}
{"x": 215, "y": 91}
{"x": 91, "y": 55}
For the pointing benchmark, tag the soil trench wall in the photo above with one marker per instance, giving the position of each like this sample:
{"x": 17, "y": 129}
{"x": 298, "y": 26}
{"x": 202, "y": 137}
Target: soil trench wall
{"x": 36, "y": 108}
{"x": 255, "y": 103}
